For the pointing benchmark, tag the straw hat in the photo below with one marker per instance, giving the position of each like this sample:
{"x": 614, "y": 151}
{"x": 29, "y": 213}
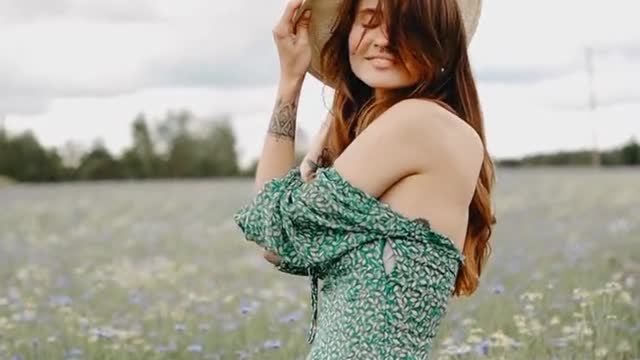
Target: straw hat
{"x": 324, "y": 12}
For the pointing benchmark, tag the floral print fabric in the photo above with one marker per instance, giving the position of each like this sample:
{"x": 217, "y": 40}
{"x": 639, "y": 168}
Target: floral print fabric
{"x": 329, "y": 229}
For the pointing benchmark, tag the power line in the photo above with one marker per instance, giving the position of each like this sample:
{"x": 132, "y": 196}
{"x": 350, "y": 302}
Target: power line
{"x": 595, "y": 153}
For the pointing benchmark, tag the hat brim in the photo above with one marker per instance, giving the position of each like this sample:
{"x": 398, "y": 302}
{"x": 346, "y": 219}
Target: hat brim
{"x": 325, "y": 11}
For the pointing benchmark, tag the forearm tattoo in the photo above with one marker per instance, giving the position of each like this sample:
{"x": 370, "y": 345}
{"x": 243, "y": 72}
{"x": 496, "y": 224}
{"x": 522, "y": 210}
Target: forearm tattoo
{"x": 283, "y": 120}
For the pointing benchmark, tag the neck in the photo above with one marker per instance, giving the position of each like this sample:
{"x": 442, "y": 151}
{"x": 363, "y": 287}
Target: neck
{"x": 379, "y": 93}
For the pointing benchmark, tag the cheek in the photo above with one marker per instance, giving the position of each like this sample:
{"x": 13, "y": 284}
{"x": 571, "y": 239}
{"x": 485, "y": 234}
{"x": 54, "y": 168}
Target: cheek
{"x": 354, "y": 38}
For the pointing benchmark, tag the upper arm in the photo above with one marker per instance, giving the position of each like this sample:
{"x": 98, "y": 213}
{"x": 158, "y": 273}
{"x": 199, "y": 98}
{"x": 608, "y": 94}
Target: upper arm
{"x": 316, "y": 153}
{"x": 390, "y": 148}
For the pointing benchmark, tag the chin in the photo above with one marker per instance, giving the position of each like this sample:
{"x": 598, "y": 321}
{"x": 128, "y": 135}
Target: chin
{"x": 376, "y": 80}
{"x": 384, "y": 84}
{"x": 380, "y": 81}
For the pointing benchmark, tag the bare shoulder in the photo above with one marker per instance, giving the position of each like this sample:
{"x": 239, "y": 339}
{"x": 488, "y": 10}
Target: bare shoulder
{"x": 409, "y": 138}
{"x": 448, "y": 139}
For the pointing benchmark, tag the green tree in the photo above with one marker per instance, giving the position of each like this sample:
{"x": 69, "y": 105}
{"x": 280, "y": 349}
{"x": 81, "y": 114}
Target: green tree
{"x": 176, "y": 144}
{"x": 24, "y": 159}
{"x": 218, "y": 156}
{"x": 98, "y": 164}
{"x": 140, "y": 161}
{"x": 631, "y": 152}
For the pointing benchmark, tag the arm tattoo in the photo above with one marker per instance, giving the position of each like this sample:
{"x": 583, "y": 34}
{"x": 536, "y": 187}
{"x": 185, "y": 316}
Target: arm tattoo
{"x": 324, "y": 160}
{"x": 283, "y": 120}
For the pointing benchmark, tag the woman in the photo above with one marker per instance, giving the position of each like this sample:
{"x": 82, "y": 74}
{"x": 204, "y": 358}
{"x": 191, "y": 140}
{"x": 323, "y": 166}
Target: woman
{"x": 391, "y": 207}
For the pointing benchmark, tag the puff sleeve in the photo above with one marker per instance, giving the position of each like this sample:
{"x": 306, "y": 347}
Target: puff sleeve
{"x": 307, "y": 224}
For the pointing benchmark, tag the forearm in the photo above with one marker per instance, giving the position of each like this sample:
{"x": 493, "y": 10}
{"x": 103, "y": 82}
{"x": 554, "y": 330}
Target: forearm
{"x": 278, "y": 151}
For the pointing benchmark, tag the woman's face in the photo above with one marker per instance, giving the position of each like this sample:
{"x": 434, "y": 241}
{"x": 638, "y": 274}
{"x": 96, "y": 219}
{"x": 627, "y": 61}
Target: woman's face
{"x": 370, "y": 60}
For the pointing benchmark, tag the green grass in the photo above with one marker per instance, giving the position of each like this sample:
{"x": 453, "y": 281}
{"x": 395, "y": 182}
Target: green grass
{"x": 157, "y": 270}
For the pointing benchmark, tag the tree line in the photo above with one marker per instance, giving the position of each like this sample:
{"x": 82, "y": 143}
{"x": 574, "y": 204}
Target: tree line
{"x": 181, "y": 147}
{"x": 626, "y": 155}
{"x": 177, "y": 147}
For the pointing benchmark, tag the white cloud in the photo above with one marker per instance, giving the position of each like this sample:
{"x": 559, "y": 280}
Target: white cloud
{"x": 113, "y": 11}
{"x": 549, "y": 33}
{"x": 85, "y": 119}
{"x": 97, "y": 63}
{"x": 80, "y": 47}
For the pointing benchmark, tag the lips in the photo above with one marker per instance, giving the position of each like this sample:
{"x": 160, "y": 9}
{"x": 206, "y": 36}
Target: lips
{"x": 381, "y": 62}
{"x": 380, "y": 58}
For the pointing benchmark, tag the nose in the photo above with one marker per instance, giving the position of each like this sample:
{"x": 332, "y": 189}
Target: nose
{"x": 379, "y": 39}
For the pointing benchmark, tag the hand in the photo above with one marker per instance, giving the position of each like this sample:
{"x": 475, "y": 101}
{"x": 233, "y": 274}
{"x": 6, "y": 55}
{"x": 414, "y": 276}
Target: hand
{"x": 292, "y": 42}
{"x": 272, "y": 258}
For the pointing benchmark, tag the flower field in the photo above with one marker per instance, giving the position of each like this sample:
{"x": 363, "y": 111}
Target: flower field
{"x": 157, "y": 270}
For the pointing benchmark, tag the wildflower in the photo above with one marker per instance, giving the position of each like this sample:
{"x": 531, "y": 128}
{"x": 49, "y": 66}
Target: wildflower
{"x": 625, "y": 297}
{"x": 568, "y": 329}
{"x": 448, "y": 341}
{"x": 472, "y": 339}
{"x": 482, "y": 348}
{"x": 531, "y": 296}
{"x": 559, "y": 342}
{"x": 578, "y": 315}
{"x": 629, "y": 281}
{"x": 587, "y": 331}
{"x": 601, "y": 352}
{"x": 499, "y": 339}
{"x": 580, "y": 294}
{"x": 230, "y": 326}
{"x": 73, "y": 352}
{"x": 623, "y": 346}
{"x": 295, "y": 316}
{"x": 272, "y": 344}
{"x": 195, "y": 348}
{"x": 245, "y": 309}
{"x": 468, "y": 321}
{"x": 613, "y": 286}
{"x": 462, "y": 350}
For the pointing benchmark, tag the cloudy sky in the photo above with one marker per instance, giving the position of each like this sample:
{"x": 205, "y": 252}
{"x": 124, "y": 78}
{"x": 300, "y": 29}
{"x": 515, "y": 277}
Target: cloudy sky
{"x": 82, "y": 69}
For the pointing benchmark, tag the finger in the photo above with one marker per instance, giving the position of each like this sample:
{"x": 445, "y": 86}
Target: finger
{"x": 285, "y": 23}
{"x": 302, "y": 27}
{"x": 272, "y": 258}
{"x": 300, "y": 11}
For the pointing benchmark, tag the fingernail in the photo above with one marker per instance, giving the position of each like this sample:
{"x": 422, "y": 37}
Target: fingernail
{"x": 306, "y": 13}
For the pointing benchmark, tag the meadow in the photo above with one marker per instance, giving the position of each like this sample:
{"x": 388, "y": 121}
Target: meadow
{"x": 158, "y": 270}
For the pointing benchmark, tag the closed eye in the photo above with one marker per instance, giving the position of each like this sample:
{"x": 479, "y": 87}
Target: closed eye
{"x": 368, "y": 19}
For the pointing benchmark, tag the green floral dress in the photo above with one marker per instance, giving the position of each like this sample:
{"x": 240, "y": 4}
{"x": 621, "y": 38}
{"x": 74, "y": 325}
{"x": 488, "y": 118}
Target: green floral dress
{"x": 328, "y": 229}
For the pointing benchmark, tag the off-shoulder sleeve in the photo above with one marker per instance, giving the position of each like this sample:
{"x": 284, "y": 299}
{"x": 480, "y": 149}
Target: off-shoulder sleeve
{"x": 307, "y": 224}
{"x": 311, "y": 224}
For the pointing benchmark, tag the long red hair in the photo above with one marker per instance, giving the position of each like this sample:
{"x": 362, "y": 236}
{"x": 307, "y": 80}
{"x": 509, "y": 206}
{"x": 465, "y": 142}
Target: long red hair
{"x": 429, "y": 35}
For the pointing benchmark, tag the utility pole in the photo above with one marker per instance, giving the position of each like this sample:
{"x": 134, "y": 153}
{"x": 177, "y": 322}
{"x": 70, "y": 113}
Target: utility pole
{"x": 595, "y": 153}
